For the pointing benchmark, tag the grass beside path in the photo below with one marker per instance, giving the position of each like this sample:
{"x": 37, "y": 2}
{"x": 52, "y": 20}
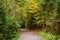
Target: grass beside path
{"x": 48, "y": 36}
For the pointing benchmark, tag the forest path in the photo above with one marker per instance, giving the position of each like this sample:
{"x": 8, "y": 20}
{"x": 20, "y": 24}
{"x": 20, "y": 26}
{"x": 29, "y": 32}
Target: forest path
{"x": 29, "y": 35}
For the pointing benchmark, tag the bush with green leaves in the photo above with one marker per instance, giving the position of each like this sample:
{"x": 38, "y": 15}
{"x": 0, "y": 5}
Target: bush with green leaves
{"x": 9, "y": 26}
{"x": 47, "y": 36}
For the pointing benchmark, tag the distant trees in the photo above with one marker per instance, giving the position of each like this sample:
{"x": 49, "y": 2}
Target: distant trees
{"x": 49, "y": 15}
{"x": 39, "y": 13}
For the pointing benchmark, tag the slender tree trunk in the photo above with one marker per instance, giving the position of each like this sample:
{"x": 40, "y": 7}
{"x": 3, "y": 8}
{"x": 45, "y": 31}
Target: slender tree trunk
{"x": 55, "y": 24}
{"x": 43, "y": 23}
{"x": 46, "y": 26}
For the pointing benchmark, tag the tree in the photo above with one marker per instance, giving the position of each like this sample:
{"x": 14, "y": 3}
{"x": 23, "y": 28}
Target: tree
{"x": 47, "y": 10}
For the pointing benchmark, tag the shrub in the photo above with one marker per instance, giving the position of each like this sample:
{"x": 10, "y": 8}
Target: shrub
{"x": 47, "y": 36}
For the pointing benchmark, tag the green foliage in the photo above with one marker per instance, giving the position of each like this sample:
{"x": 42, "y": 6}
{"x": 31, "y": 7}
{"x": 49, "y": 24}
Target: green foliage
{"x": 9, "y": 27}
{"x": 42, "y": 14}
{"x": 48, "y": 36}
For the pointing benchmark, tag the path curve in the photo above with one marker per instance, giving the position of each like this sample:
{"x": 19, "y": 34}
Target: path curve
{"x": 29, "y": 35}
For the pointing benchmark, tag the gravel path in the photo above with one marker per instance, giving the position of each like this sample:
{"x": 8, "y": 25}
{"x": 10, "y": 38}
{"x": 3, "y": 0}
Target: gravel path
{"x": 29, "y": 35}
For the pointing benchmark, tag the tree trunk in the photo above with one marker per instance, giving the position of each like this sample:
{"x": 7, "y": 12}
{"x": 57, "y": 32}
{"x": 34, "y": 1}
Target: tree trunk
{"x": 43, "y": 23}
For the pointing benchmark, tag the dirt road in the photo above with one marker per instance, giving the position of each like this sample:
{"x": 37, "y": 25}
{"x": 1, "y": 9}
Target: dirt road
{"x": 29, "y": 35}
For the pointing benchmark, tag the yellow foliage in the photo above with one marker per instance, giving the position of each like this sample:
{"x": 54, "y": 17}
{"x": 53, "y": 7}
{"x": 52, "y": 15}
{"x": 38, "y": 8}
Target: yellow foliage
{"x": 32, "y": 5}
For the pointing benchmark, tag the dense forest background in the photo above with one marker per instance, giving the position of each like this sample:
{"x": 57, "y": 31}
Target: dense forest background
{"x": 30, "y": 14}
